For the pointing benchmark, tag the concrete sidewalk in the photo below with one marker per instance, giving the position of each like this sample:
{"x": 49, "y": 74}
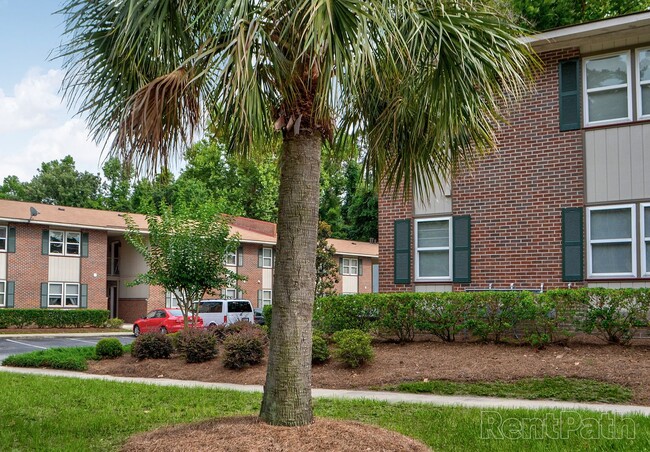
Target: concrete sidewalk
{"x": 392, "y": 397}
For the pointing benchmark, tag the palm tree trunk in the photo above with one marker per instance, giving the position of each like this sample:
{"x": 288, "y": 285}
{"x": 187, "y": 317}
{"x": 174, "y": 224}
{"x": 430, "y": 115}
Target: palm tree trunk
{"x": 287, "y": 393}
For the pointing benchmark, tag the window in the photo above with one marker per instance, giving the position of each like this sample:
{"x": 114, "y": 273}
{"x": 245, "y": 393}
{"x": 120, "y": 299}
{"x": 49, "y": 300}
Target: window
{"x": 3, "y": 293}
{"x": 643, "y": 75}
{"x": 433, "y": 245}
{"x": 229, "y": 293}
{"x": 645, "y": 239}
{"x": 3, "y": 238}
{"x": 611, "y": 236}
{"x": 239, "y": 306}
{"x": 63, "y": 295}
{"x": 607, "y": 88}
{"x": 65, "y": 243}
{"x": 172, "y": 301}
{"x": 267, "y": 297}
{"x": 350, "y": 266}
{"x": 231, "y": 258}
{"x": 267, "y": 257}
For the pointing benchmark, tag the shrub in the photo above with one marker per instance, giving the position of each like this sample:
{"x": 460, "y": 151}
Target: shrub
{"x": 343, "y": 312}
{"x": 244, "y": 348}
{"x": 443, "y": 314}
{"x": 151, "y": 345}
{"x": 396, "y": 315}
{"x": 222, "y": 331}
{"x": 613, "y": 315}
{"x": 114, "y": 323}
{"x": 267, "y": 311}
{"x": 53, "y": 318}
{"x": 495, "y": 314}
{"x": 320, "y": 352}
{"x": 109, "y": 347}
{"x": 196, "y": 345}
{"x": 353, "y": 347}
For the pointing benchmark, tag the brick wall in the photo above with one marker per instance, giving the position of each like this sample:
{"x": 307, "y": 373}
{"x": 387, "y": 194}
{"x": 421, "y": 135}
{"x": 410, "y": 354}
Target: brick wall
{"x": 27, "y": 266}
{"x": 252, "y": 272}
{"x": 515, "y": 196}
{"x": 95, "y": 264}
{"x": 391, "y": 208}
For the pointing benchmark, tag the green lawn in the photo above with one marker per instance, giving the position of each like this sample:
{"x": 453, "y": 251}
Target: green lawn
{"x": 552, "y": 388}
{"x": 52, "y": 413}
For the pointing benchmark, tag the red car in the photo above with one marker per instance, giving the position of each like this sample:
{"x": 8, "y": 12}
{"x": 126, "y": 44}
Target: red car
{"x": 164, "y": 320}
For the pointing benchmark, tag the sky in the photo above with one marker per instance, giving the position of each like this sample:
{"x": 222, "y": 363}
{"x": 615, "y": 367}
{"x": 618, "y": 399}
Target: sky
{"x": 35, "y": 123}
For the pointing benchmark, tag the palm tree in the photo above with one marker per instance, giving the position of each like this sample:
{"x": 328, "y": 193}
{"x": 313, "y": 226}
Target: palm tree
{"x": 423, "y": 82}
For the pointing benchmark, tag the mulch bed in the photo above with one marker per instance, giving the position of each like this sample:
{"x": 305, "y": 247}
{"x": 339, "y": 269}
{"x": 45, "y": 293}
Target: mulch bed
{"x": 250, "y": 434}
{"x": 628, "y": 366}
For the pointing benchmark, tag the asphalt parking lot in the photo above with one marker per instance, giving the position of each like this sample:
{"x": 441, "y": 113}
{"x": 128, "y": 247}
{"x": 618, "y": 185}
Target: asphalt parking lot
{"x": 24, "y": 344}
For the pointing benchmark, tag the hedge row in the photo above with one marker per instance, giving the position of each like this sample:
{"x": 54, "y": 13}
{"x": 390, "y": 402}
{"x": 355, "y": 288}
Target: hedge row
{"x": 52, "y": 318}
{"x": 614, "y": 315}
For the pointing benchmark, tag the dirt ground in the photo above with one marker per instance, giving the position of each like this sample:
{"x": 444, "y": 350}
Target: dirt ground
{"x": 323, "y": 435}
{"x": 394, "y": 363}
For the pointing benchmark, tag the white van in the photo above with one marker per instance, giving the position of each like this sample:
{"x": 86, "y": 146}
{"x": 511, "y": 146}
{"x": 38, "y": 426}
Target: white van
{"x": 218, "y": 312}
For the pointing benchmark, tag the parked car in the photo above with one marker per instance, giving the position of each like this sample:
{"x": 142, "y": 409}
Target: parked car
{"x": 218, "y": 312}
{"x": 164, "y": 320}
{"x": 258, "y": 314}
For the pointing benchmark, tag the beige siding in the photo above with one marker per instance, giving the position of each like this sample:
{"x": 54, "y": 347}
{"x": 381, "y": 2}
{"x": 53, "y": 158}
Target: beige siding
{"x": 621, "y": 285}
{"x": 131, "y": 265}
{"x": 267, "y": 278}
{"x": 64, "y": 269}
{"x": 3, "y": 265}
{"x": 433, "y": 288}
{"x": 618, "y": 163}
{"x": 438, "y": 202}
{"x": 605, "y": 42}
{"x": 350, "y": 284}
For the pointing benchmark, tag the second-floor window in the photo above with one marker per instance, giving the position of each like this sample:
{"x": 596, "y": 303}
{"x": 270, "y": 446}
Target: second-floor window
{"x": 65, "y": 243}
{"x": 231, "y": 258}
{"x": 350, "y": 266}
{"x": 607, "y": 81}
{"x": 267, "y": 257}
{"x": 3, "y": 238}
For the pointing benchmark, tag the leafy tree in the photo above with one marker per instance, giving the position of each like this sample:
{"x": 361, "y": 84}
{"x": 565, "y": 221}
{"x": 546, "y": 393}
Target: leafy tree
{"x": 545, "y": 14}
{"x": 423, "y": 83}
{"x": 363, "y": 215}
{"x": 59, "y": 182}
{"x": 12, "y": 188}
{"x": 327, "y": 270}
{"x": 117, "y": 186}
{"x": 151, "y": 196}
{"x": 185, "y": 252}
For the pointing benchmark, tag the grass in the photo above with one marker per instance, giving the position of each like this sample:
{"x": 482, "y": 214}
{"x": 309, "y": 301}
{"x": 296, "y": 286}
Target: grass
{"x": 65, "y": 358}
{"x": 54, "y": 413}
{"x": 552, "y": 388}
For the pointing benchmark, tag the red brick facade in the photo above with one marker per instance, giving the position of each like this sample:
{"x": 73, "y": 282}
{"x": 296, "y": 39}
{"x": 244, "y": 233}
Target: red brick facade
{"x": 514, "y": 197}
{"x": 27, "y": 266}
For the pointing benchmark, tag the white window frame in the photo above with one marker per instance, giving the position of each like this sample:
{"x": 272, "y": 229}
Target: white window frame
{"x": 644, "y": 270}
{"x": 173, "y": 300}
{"x": 230, "y": 259}
{"x": 267, "y": 261}
{"x": 3, "y": 293}
{"x": 64, "y": 243}
{"x": 585, "y": 96}
{"x": 632, "y": 241}
{"x": 639, "y": 83}
{"x": 64, "y": 294}
{"x": 229, "y": 293}
{"x": 267, "y": 297}
{"x": 5, "y": 239}
{"x": 351, "y": 267}
{"x": 449, "y": 248}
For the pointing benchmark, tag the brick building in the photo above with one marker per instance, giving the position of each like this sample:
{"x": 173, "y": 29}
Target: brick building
{"x": 70, "y": 258}
{"x": 566, "y": 198}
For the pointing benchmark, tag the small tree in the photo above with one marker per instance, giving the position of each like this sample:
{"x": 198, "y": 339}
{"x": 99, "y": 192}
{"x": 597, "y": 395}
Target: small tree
{"x": 185, "y": 253}
{"x": 327, "y": 271}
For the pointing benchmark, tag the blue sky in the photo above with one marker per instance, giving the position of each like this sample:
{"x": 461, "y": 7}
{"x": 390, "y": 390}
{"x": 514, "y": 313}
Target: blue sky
{"x": 35, "y": 124}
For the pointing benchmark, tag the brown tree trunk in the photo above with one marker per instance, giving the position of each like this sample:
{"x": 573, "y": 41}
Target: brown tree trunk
{"x": 287, "y": 392}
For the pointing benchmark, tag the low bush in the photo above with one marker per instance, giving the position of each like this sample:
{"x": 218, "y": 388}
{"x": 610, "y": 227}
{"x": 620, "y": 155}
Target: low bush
{"x": 494, "y": 315}
{"x": 244, "y": 348}
{"x": 443, "y": 314}
{"x": 320, "y": 352}
{"x": 222, "y": 331}
{"x": 267, "y": 311}
{"x": 53, "y": 318}
{"x": 114, "y": 323}
{"x": 151, "y": 346}
{"x": 196, "y": 345}
{"x": 109, "y": 347}
{"x": 353, "y": 347}
{"x": 64, "y": 358}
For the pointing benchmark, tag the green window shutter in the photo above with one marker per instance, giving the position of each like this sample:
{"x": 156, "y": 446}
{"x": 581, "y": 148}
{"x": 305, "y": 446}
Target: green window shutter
{"x": 84, "y": 244}
{"x": 83, "y": 298}
{"x": 260, "y": 261}
{"x": 461, "y": 237}
{"x": 240, "y": 256}
{"x": 572, "y": 244}
{"x": 44, "y": 295}
{"x": 360, "y": 261}
{"x": 402, "y": 251}
{"x": 168, "y": 299}
{"x": 45, "y": 242}
{"x": 569, "y": 80}
{"x": 11, "y": 240}
{"x": 9, "y": 296}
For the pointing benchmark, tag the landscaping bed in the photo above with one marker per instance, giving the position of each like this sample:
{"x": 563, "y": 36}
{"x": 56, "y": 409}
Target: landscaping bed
{"x": 431, "y": 360}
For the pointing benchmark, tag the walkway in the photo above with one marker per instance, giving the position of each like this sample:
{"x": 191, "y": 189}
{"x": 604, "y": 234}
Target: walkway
{"x": 393, "y": 397}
